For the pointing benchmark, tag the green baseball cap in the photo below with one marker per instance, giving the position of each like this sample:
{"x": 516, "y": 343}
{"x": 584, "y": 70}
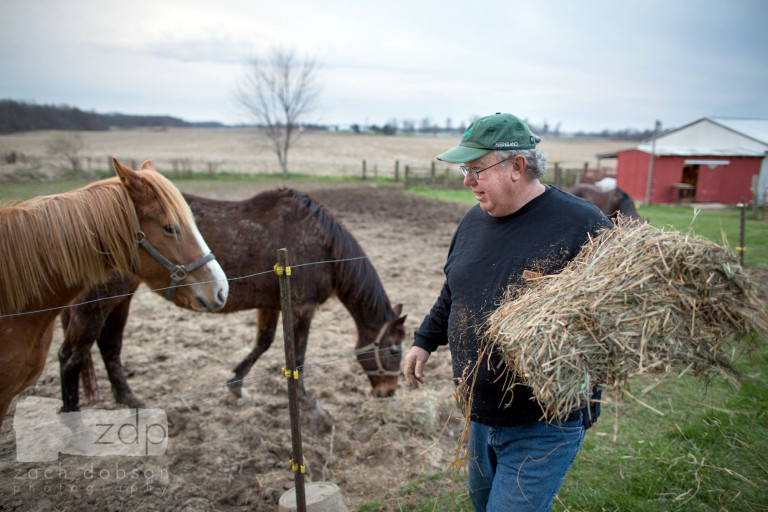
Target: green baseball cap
{"x": 490, "y": 133}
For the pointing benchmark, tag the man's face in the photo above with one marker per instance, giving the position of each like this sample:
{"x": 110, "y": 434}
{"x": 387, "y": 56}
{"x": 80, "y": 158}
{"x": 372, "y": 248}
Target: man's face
{"x": 494, "y": 188}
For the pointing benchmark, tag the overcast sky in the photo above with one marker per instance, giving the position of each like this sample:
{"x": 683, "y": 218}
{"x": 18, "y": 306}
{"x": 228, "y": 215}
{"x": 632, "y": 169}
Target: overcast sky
{"x": 588, "y": 65}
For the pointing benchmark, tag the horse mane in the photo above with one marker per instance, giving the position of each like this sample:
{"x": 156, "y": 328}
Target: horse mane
{"x": 355, "y": 278}
{"x": 74, "y": 238}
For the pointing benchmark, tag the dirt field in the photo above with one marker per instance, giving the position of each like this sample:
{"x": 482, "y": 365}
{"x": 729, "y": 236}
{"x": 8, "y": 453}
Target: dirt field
{"x": 230, "y": 454}
{"x": 238, "y": 150}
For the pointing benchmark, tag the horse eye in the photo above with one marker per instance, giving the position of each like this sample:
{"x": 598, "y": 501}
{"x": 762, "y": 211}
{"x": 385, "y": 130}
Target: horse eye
{"x": 172, "y": 230}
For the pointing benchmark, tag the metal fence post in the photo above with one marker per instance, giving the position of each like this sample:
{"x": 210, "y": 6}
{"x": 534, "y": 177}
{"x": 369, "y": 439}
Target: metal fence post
{"x": 742, "y": 247}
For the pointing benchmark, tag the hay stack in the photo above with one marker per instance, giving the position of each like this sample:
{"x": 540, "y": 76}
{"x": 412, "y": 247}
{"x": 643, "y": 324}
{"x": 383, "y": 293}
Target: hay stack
{"x": 636, "y": 301}
{"x": 422, "y": 412}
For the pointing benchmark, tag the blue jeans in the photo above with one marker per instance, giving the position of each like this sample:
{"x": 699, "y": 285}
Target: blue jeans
{"x": 520, "y": 468}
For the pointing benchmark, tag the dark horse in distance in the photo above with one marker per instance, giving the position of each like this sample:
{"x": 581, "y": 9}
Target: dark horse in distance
{"x": 245, "y": 236}
{"x": 611, "y": 202}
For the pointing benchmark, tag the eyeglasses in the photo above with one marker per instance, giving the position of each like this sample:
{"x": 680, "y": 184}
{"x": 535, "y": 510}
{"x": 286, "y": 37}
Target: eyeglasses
{"x": 476, "y": 172}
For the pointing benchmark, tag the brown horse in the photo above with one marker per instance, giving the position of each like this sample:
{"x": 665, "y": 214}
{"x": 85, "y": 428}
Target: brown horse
{"x": 246, "y": 236}
{"x": 54, "y": 247}
{"x": 611, "y": 202}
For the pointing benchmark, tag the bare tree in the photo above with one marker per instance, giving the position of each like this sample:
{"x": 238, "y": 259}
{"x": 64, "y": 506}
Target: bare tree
{"x": 68, "y": 145}
{"x": 278, "y": 93}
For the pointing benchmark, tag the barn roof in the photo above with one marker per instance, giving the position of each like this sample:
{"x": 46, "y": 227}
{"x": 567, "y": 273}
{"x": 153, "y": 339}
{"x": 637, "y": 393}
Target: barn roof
{"x": 756, "y": 129}
{"x": 664, "y": 150}
{"x": 743, "y": 132}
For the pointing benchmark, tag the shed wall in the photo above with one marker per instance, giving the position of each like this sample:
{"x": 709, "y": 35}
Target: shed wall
{"x": 723, "y": 184}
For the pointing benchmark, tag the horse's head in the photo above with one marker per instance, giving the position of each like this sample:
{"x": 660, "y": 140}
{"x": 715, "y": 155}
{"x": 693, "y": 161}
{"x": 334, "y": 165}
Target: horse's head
{"x": 380, "y": 358}
{"x": 171, "y": 252}
{"x": 624, "y": 204}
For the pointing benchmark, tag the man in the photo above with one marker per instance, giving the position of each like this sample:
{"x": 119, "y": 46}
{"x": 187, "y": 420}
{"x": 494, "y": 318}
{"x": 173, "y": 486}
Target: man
{"x": 520, "y": 228}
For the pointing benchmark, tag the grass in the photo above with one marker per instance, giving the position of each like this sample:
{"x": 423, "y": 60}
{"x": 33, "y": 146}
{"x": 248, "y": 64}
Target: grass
{"x": 707, "y": 453}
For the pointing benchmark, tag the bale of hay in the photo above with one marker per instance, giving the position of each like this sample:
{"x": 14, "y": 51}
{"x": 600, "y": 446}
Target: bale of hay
{"x": 421, "y": 412}
{"x": 637, "y": 300}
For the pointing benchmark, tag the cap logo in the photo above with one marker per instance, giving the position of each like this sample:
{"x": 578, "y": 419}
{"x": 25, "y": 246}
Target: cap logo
{"x": 506, "y": 144}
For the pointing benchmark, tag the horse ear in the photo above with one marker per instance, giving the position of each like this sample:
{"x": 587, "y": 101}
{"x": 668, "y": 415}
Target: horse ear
{"x": 131, "y": 181}
{"x": 398, "y": 309}
{"x": 147, "y": 166}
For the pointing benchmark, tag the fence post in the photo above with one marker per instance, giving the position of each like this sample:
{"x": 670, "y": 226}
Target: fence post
{"x": 363, "y": 170}
{"x": 283, "y": 272}
{"x": 432, "y": 171}
{"x": 558, "y": 177}
{"x": 397, "y": 171}
{"x": 741, "y": 248}
{"x": 407, "y": 174}
{"x": 756, "y": 195}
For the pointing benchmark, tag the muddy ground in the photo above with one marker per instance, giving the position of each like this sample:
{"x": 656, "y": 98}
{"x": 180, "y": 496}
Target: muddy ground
{"x": 224, "y": 453}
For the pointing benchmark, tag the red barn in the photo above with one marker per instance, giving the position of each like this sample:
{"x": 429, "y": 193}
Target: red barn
{"x": 709, "y": 160}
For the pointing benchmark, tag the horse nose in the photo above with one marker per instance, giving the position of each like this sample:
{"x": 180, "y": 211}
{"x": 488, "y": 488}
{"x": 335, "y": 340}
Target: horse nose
{"x": 380, "y": 393}
{"x": 221, "y": 298}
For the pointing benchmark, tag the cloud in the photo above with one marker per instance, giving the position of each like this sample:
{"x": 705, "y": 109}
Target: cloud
{"x": 590, "y": 65}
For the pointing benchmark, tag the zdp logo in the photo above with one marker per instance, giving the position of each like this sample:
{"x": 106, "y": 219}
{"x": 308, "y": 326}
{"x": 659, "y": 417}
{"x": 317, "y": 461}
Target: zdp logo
{"x": 42, "y": 433}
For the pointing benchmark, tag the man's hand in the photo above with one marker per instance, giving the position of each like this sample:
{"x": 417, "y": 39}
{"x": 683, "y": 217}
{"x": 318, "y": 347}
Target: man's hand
{"x": 413, "y": 367}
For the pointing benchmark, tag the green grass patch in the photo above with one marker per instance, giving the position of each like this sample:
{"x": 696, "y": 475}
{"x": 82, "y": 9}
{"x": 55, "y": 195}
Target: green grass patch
{"x": 708, "y": 452}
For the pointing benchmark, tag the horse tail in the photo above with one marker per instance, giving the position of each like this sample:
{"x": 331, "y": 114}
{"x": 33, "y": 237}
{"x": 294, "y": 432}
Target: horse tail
{"x": 88, "y": 377}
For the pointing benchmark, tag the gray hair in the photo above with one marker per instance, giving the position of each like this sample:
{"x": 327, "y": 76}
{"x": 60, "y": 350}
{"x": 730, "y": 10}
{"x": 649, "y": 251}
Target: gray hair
{"x": 536, "y": 160}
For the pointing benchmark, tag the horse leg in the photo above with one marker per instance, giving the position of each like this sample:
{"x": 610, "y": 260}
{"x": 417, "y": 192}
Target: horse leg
{"x": 110, "y": 343}
{"x": 81, "y": 325}
{"x": 317, "y": 419}
{"x": 4, "y": 406}
{"x": 267, "y": 322}
{"x": 85, "y": 324}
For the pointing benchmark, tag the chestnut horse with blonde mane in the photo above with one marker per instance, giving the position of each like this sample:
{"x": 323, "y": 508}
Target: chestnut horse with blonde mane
{"x": 54, "y": 247}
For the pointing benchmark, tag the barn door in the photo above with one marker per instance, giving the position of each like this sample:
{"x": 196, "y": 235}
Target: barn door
{"x": 690, "y": 177}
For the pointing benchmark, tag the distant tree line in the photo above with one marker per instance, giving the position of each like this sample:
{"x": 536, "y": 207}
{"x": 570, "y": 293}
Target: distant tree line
{"x": 544, "y": 129}
{"x": 16, "y": 116}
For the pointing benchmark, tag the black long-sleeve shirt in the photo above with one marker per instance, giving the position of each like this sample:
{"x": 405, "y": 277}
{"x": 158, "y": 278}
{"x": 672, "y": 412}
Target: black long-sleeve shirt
{"x": 487, "y": 255}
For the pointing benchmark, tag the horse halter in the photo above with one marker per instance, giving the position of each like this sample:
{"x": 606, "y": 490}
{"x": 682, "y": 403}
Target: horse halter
{"x": 374, "y": 346}
{"x": 178, "y": 272}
